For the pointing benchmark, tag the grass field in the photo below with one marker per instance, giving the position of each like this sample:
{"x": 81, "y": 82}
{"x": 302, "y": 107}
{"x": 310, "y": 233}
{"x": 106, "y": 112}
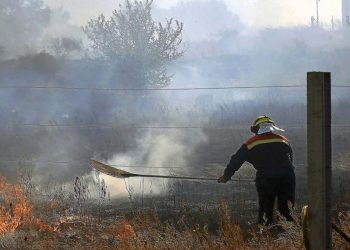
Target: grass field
{"x": 71, "y": 218}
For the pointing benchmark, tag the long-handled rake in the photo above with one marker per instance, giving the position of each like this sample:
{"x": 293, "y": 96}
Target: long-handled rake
{"x": 118, "y": 173}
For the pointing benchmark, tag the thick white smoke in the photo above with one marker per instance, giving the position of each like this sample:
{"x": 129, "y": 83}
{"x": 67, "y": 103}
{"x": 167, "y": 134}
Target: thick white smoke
{"x": 154, "y": 150}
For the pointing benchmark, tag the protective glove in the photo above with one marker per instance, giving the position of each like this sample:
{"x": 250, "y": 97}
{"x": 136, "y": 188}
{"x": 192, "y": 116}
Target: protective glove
{"x": 224, "y": 179}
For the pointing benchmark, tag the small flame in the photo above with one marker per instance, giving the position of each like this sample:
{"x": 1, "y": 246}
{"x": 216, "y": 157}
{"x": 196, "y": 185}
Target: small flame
{"x": 16, "y": 210}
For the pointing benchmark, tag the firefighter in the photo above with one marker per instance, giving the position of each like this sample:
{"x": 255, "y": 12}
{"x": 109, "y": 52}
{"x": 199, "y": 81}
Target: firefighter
{"x": 272, "y": 157}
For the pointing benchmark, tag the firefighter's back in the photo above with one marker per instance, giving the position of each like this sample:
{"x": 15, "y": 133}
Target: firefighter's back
{"x": 271, "y": 155}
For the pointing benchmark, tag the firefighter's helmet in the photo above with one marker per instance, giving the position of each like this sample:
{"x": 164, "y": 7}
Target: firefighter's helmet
{"x": 259, "y": 120}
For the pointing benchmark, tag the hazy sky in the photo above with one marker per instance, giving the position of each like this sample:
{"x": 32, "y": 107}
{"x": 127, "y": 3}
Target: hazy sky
{"x": 255, "y": 13}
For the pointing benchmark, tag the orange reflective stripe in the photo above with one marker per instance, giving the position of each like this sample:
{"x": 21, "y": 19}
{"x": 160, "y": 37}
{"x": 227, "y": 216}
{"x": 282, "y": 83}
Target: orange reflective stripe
{"x": 259, "y": 142}
{"x": 264, "y": 137}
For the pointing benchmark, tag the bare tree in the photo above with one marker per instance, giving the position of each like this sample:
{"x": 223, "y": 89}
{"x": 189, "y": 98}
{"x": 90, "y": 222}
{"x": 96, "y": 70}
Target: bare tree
{"x": 138, "y": 48}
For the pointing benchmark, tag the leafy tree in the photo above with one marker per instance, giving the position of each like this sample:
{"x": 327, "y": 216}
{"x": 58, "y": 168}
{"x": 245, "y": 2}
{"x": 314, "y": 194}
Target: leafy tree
{"x": 138, "y": 48}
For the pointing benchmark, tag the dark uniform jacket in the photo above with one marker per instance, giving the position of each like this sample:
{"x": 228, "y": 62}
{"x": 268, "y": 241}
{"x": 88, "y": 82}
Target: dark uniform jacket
{"x": 269, "y": 153}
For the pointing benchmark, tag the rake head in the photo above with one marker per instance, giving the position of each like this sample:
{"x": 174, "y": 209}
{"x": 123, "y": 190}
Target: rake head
{"x": 108, "y": 170}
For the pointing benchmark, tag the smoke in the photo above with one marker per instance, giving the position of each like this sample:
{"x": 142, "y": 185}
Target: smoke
{"x": 27, "y": 27}
{"x": 220, "y": 51}
{"x": 202, "y": 26}
{"x": 21, "y": 23}
{"x": 155, "y": 150}
{"x": 81, "y": 11}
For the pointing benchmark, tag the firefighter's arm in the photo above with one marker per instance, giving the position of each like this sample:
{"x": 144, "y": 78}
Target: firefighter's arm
{"x": 235, "y": 163}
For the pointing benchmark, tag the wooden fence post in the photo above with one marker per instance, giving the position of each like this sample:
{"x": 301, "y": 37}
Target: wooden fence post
{"x": 319, "y": 159}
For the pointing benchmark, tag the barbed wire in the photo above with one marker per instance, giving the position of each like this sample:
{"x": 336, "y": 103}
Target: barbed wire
{"x": 143, "y": 166}
{"x": 81, "y": 163}
{"x": 153, "y": 89}
{"x": 341, "y": 86}
{"x": 132, "y": 127}
{"x": 109, "y": 126}
{"x": 163, "y": 89}
{"x": 145, "y": 127}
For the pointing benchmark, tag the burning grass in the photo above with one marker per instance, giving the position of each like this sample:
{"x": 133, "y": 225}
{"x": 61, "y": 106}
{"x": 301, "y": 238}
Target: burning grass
{"x": 16, "y": 211}
{"x": 66, "y": 227}
{"x": 15, "y": 208}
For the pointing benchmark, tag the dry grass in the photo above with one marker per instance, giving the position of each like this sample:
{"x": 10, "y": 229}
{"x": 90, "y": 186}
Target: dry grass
{"x": 45, "y": 224}
{"x": 344, "y": 224}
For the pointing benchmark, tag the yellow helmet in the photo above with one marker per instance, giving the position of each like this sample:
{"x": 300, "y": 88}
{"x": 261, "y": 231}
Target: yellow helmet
{"x": 259, "y": 120}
